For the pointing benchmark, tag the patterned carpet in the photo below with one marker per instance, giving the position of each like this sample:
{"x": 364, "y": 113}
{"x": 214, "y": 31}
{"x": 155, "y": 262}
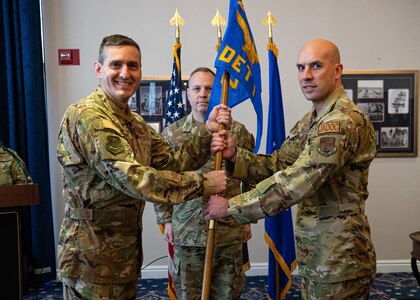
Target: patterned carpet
{"x": 386, "y": 286}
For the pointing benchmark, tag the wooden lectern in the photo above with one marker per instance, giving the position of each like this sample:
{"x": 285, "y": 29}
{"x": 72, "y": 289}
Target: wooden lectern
{"x": 11, "y": 267}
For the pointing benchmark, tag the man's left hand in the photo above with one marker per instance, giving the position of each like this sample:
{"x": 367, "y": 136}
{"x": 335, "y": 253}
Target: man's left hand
{"x": 216, "y": 208}
{"x": 219, "y": 115}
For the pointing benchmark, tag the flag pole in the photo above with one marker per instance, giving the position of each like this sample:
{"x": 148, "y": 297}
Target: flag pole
{"x": 270, "y": 21}
{"x": 208, "y": 263}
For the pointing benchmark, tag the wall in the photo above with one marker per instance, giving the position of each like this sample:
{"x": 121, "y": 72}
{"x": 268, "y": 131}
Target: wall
{"x": 376, "y": 34}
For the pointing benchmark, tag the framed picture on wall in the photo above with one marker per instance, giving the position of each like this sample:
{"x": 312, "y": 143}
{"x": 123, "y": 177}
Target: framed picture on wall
{"x": 151, "y": 98}
{"x": 389, "y": 99}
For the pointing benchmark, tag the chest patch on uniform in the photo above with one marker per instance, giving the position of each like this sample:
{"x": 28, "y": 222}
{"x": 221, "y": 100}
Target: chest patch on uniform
{"x": 327, "y": 146}
{"x": 330, "y": 127}
{"x": 113, "y": 145}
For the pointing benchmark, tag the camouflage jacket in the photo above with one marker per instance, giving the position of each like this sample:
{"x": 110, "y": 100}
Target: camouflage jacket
{"x": 12, "y": 168}
{"x": 187, "y": 220}
{"x": 112, "y": 162}
{"x": 323, "y": 167}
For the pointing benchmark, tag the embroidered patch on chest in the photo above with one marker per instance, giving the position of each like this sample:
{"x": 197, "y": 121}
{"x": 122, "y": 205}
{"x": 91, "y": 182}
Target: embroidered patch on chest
{"x": 113, "y": 145}
{"x": 330, "y": 127}
{"x": 327, "y": 146}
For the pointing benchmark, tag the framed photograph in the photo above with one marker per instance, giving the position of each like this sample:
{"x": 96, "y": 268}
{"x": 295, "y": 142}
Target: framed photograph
{"x": 389, "y": 99}
{"x": 151, "y": 100}
{"x": 132, "y": 102}
{"x": 152, "y": 94}
{"x": 155, "y": 125}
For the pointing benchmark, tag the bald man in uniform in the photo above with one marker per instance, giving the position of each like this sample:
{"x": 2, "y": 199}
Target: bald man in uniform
{"x": 322, "y": 167}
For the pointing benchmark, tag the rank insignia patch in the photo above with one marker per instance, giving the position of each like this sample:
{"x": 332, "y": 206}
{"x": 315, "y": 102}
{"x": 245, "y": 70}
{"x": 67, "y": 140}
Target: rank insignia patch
{"x": 113, "y": 145}
{"x": 327, "y": 146}
{"x": 330, "y": 127}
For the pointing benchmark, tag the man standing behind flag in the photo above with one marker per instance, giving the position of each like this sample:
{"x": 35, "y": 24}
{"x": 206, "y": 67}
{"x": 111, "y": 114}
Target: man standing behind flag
{"x": 185, "y": 226}
{"x": 279, "y": 228}
{"x": 238, "y": 57}
{"x": 323, "y": 167}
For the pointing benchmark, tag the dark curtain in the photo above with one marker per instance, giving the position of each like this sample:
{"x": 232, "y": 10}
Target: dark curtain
{"x": 23, "y": 122}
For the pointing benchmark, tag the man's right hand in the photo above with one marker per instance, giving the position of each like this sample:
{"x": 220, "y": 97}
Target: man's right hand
{"x": 215, "y": 182}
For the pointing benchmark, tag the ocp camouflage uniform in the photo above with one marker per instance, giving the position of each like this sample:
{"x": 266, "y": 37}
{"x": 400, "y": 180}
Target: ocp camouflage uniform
{"x": 12, "y": 168}
{"x": 323, "y": 167}
{"x": 112, "y": 162}
{"x": 190, "y": 229}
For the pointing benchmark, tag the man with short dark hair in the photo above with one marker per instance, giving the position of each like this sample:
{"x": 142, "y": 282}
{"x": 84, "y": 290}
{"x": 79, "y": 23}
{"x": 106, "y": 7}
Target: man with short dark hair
{"x": 113, "y": 162}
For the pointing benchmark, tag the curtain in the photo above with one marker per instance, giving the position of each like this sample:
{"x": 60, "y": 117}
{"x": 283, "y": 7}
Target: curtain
{"x": 23, "y": 123}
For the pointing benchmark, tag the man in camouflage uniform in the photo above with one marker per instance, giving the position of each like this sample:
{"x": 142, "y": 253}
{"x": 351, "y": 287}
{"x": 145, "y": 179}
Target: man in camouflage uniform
{"x": 323, "y": 167}
{"x": 184, "y": 224}
{"x": 12, "y": 168}
{"x": 113, "y": 162}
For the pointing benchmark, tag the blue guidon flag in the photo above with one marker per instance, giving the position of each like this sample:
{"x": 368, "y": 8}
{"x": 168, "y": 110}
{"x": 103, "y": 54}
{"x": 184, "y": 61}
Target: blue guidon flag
{"x": 279, "y": 233}
{"x": 238, "y": 56}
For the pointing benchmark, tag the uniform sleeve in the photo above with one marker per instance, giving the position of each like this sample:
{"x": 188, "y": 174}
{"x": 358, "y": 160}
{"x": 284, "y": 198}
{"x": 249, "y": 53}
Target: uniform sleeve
{"x": 107, "y": 151}
{"x": 164, "y": 211}
{"x": 190, "y": 155}
{"x": 18, "y": 174}
{"x": 323, "y": 155}
{"x": 245, "y": 140}
{"x": 252, "y": 168}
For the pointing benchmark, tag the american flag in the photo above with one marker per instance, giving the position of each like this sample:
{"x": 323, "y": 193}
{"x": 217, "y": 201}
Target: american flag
{"x": 174, "y": 107}
{"x": 173, "y": 112}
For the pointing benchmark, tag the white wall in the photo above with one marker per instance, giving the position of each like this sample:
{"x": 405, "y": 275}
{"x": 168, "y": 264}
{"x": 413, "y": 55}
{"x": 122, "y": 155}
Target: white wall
{"x": 376, "y": 35}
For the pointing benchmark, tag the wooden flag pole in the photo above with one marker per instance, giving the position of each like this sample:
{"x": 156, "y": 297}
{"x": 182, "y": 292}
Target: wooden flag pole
{"x": 208, "y": 262}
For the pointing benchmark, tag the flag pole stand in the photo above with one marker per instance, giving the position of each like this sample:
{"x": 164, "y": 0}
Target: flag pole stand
{"x": 208, "y": 262}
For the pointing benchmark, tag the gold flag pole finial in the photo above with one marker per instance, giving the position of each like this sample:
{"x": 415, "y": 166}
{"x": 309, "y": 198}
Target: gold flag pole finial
{"x": 270, "y": 20}
{"x": 177, "y": 20}
{"x": 218, "y": 21}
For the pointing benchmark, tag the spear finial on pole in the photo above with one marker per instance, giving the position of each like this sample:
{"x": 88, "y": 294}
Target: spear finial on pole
{"x": 177, "y": 20}
{"x": 218, "y": 21}
{"x": 270, "y": 20}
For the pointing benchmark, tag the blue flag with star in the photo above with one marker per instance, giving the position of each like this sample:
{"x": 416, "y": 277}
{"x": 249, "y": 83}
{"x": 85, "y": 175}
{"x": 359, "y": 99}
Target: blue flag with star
{"x": 279, "y": 228}
{"x": 174, "y": 107}
{"x": 238, "y": 56}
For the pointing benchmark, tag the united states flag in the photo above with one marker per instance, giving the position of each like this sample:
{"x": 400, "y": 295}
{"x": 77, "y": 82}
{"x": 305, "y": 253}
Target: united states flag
{"x": 174, "y": 107}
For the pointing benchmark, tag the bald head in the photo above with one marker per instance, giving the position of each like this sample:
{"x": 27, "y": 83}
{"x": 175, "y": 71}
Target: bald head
{"x": 324, "y": 47}
{"x": 319, "y": 70}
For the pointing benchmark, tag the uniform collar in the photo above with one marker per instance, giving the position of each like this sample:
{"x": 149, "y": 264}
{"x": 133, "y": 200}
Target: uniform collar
{"x": 124, "y": 115}
{"x": 329, "y": 103}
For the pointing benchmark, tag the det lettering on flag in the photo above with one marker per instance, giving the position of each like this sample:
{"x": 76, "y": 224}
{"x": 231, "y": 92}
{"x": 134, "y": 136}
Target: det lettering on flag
{"x": 238, "y": 57}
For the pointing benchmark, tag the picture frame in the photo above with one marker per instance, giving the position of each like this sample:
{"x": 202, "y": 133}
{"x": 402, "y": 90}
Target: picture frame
{"x": 389, "y": 99}
{"x": 151, "y": 98}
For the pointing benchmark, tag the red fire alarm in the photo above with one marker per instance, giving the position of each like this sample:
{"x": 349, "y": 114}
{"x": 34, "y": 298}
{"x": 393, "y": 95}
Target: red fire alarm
{"x": 68, "y": 57}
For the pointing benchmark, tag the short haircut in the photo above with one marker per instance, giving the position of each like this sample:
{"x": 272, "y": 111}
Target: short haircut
{"x": 115, "y": 40}
{"x": 202, "y": 69}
